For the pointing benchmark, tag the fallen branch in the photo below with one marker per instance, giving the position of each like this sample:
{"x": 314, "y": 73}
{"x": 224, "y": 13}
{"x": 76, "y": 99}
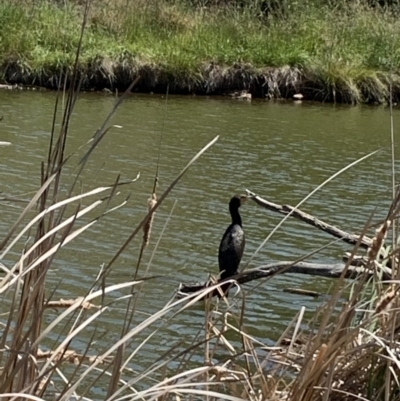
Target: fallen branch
{"x": 316, "y": 269}
{"x": 66, "y": 303}
{"x": 299, "y": 291}
{"x": 309, "y": 219}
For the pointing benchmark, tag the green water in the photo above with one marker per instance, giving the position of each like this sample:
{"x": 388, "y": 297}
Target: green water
{"x": 280, "y": 151}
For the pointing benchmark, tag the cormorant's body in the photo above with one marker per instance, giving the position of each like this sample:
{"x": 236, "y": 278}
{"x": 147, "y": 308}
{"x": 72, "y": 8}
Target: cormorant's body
{"x": 232, "y": 243}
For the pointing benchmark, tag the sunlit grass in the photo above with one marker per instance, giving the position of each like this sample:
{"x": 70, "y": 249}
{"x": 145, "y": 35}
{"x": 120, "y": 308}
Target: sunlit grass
{"x": 351, "y": 44}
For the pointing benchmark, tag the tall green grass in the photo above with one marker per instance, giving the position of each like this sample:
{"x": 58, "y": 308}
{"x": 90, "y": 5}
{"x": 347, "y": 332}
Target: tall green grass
{"x": 346, "y": 52}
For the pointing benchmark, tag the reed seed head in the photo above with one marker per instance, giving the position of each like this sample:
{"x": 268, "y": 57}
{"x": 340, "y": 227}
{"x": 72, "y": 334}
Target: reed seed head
{"x": 386, "y": 300}
{"x": 378, "y": 240}
{"x": 151, "y": 202}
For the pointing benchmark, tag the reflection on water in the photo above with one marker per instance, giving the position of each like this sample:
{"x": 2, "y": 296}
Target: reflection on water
{"x": 280, "y": 151}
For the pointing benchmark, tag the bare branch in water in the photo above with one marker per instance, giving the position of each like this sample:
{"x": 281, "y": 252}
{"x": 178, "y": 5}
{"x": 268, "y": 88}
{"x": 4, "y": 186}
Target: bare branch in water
{"x": 309, "y": 219}
{"x": 333, "y": 270}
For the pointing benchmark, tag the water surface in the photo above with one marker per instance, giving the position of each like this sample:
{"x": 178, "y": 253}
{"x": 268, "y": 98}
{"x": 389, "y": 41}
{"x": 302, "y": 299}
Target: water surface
{"x": 279, "y": 150}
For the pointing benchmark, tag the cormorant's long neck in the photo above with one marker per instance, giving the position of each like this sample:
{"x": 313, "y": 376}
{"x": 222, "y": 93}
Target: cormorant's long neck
{"x": 236, "y": 219}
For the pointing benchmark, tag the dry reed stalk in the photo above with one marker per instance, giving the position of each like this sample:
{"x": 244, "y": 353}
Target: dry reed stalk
{"x": 151, "y": 203}
{"x": 320, "y": 357}
{"x": 118, "y": 362}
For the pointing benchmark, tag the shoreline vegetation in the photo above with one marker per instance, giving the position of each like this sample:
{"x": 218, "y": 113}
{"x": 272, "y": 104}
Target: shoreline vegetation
{"x": 337, "y": 51}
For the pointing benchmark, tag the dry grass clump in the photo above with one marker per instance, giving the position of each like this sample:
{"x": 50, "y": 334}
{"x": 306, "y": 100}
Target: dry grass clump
{"x": 356, "y": 354}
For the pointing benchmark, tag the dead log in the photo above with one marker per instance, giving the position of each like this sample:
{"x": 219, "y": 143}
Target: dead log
{"x": 316, "y": 269}
{"x": 309, "y": 219}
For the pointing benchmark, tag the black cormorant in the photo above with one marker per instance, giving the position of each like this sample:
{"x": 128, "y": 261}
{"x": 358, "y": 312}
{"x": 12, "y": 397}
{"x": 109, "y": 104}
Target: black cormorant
{"x": 232, "y": 243}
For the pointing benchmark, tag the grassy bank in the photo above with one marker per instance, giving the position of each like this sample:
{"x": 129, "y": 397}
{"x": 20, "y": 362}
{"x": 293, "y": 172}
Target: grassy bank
{"x": 335, "y": 52}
